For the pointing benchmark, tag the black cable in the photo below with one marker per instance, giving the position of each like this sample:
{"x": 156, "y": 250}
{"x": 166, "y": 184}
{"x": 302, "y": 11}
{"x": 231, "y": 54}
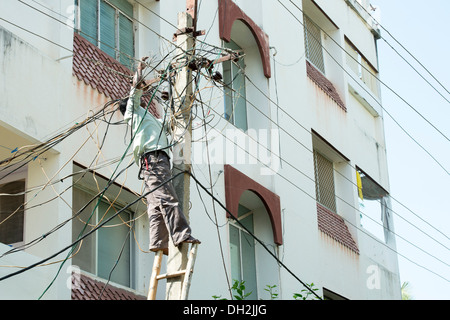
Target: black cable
{"x": 396, "y": 122}
{"x": 101, "y": 196}
{"x": 89, "y": 232}
{"x": 295, "y": 168}
{"x": 84, "y": 172}
{"x": 233, "y": 216}
{"x": 349, "y": 204}
{"x": 213, "y": 205}
{"x": 379, "y": 24}
{"x": 54, "y": 142}
{"x": 117, "y": 260}
{"x": 362, "y": 66}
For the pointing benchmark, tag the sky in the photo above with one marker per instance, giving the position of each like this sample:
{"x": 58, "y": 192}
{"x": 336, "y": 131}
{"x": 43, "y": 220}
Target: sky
{"x": 419, "y": 186}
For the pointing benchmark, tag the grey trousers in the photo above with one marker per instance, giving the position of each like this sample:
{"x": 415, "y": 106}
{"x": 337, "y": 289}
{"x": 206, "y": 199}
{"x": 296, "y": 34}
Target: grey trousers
{"x": 164, "y": 212}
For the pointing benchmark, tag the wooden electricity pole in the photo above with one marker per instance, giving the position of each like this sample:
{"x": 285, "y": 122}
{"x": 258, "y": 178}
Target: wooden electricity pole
{"x": 183, "y": 99}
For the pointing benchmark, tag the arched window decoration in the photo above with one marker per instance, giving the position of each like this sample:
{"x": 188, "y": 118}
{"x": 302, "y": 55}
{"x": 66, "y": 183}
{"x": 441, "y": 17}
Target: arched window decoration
{"x": 229, "y": 12}
{"x": 236, "y": 183}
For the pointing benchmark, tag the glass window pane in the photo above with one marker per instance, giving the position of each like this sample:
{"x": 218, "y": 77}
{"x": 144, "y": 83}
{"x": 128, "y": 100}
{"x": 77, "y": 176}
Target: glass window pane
{"x": 235, "y": 253}
{"x": 247, "y": 222}
{"x": 126, "y": 41}
{"x": 240, "y": 102}
{"x": 249, "y": 264}
{"x": 11, "y": 231}
{"x": 85, "y": 258}
{"x": 89, "y": 20}
{"x": 235, "y": 97}
{"x": 107, "y": 29}
{"x": 111, "y": 239}
{"x": 352, "y": 58}
{"x": 242, "y": 210}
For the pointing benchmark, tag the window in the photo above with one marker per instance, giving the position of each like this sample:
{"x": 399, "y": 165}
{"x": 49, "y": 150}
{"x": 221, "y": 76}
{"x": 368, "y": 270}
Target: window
{"x": 12, "y": 211}
{"x": 99, "y": 252}
{"x": 235, "y": 97}
{"x": 108, "y": 24}
{"x": 324, "y": 176}
{"x": 313, "y": 44}
{"x": 242, "y": 251}
{"x": 373, "y": 205}
{"x": 361, "y": 67}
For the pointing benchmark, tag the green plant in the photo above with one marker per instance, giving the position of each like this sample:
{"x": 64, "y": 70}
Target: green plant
{"x": 239, "y": 288}
{"x": 270, "y": 290}
{"x": 405, "y": 289}
{"x": 305, "y": 293}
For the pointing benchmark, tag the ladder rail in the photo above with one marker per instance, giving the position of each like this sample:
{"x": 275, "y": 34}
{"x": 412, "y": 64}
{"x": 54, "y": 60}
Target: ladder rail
{"x": 189, "y": 270}
{"x": 154, "y": 278}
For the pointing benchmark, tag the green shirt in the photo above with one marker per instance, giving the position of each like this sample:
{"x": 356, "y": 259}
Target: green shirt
{"x": 149, "y": 132}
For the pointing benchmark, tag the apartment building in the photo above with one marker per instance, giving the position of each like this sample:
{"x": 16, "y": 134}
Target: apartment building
{"x": 289, "y": 139}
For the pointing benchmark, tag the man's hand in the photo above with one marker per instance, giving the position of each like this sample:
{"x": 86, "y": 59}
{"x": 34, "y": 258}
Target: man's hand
{"x": 138, "y": 80}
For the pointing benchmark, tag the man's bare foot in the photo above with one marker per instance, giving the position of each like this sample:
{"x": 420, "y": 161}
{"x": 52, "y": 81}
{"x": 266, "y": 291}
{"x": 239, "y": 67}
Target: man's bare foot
{"x": 164, "y": 250}
{"x": 191, "y": 239}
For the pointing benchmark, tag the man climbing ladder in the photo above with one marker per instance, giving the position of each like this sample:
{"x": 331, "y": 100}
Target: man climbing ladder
{"x": 151, "y": 153}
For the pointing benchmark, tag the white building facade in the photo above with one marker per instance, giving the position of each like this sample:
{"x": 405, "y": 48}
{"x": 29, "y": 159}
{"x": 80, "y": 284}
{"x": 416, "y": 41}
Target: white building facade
{"x": 289, "y": 138}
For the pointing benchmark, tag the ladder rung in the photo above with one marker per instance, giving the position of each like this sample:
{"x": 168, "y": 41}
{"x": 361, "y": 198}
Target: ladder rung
{"x": 155, "y": 277}
{"x": 171, "y": 275}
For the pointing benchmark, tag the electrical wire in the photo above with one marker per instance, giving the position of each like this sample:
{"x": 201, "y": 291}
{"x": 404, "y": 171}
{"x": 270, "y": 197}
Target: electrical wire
{"x": 275, "y": 103}
{"x": 313, "y": 180}
{"x": 346, "y": 202}
{"x": 409, "y": 242}
{"x": 364, "y": 67}
{"x": 311, "y": 151}
{"x": 234, "y": 217}
{"x": 103, "y": 192}
{"x": 213, "y": 203}
{"x": 290, "y": 134}
{"x": 117, "y": 260}
{"x": 33, "y": 159}
{"x": 83, "y": 236}
{"x": 351, "y": 76}
{"x": 403, "y": 47}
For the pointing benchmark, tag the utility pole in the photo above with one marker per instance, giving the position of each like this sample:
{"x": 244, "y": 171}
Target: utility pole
{"x": 183, "y": 99}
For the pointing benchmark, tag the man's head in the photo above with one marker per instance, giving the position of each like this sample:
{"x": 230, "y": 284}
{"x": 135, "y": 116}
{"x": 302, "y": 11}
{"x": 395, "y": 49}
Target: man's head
{"x": 123, "y": 105}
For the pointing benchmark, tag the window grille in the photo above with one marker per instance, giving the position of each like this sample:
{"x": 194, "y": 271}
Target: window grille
{"x": 324, "y": 175}
{"x": 313, "y": 44}
{"x": 109, "y": 26}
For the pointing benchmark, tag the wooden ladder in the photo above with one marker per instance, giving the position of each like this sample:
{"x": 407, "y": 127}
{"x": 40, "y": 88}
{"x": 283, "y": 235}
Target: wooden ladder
{"x": 187, "y": 273}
